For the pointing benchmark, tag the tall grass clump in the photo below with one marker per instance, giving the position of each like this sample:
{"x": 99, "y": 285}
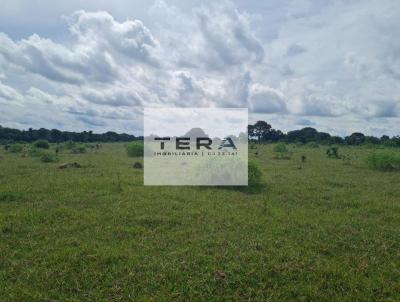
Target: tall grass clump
{"x": 47, "y": 157}
{"x": 42, "y": 144}
{"x": 69, "y": 145}
{"x": 333, "y": 152}
{"x": 15, "y": 148}
{"x": 79, "y": 148}
{"x": 134, "y": 149}
{"x": 35, "y": 152}
{"x": 384, "y": 161}
{"x": 312, "y": 145}
{"x": 254, "y": 174}
{"x": 281, "y": 151}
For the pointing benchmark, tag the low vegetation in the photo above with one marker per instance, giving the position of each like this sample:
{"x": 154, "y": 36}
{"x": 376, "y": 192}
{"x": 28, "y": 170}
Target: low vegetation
{"x": 384, "y": 161}
{"x": 79, "y": 148}
{"x": 86, "y": 229}
{"x": 16, "y": 148}
{"x": 333, "y": 152}
{"x": 254, "y": 174}
{"x": 47, "y": 157}
{"x": 312, "y": 145}
{"x": 41, "y": 144}
{"x": 281, "y": 151}
{"x": 135, "y": 149}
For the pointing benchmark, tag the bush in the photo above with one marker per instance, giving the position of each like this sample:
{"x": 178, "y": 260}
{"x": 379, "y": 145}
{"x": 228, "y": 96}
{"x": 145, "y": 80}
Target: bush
{"x": 16, "y": 148}
{"x": 134, "y": 149}
{"x": 35, "y": 152}
{"x": 254, "y": 174}
{"x": 47, "y": 157}
{"x": 384, "y": 161}
{"x": 333, "y": 152}
{"x": 312, "y": 145}
{"x": 42, "y": 144}
{"x": 69, "y": 145}
{"x": 79, "y": 149}
{"x": 138, "y": 165}
{"x": 281, "y": 151}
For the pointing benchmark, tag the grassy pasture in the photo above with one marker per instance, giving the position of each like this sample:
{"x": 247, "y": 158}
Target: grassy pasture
{"x": 322, "y": 230}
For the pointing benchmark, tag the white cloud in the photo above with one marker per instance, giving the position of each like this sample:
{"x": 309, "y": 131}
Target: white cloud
{"x": 321, "y": 63}
{"x": 265, "y": 99}
{"x": 349, "y": 44}
{"x": 8, "y": 93}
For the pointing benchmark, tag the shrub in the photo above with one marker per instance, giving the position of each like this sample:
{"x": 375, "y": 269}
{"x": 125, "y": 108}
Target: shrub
{"x": 16, "y": 148}
{"x": 138, "y": 165}
{"x": 134, "y": 149}
{"x": 333, "y": 152}
{"x": 281, "y": 151}
{"x": 346, "y": 159}
{"x": 312, "y": 145}
{"x": 42, "y": 144}
{"x": 35, "y": 152}
{"x": 69, "y": 145}
{"x": 254, "y": 173}
{"x": 79, "y": 149}
{"x": 47, "y": 157}
{"x": 384, "y": 161}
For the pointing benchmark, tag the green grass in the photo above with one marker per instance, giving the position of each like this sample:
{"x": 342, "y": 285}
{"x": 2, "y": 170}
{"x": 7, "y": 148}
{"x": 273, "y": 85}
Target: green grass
{"x": 384, "y": 161}
{"x": 135, "y": 149}
{"x": 317, "y": 231}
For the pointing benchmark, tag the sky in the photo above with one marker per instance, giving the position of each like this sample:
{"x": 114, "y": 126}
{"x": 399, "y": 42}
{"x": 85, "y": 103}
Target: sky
{"x": 214, "y": 122}
{"x": 95, "y": 64}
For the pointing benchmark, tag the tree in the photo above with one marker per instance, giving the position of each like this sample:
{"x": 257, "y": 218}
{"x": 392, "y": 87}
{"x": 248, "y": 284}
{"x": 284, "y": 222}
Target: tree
{"x": 56, "y": 136}
{"x": 9, "y": 135}
{"x": 304, "y": 135}
{"x": 355, "y": 138}
{"x": 261, "y": 130}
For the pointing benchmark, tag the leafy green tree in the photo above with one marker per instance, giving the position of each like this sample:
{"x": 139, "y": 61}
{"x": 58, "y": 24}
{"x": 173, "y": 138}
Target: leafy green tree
{"x": 355, "y": 138}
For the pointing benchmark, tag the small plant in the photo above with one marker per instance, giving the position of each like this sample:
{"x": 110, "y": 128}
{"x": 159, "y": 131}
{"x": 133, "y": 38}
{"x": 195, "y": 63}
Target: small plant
{"x": 254, "y": 173}
{"x": 333, "y": 152}
{"x": 35, "y": 152}
{"x": 312, "y": 145}
{"x": 281, "y": 151}
{"x": 16, "y": 148}
{"x": 79, "y": 149}
{"x": 119, "y": 186}
{"x": 138, "y": 165}
{"x": 384, "y": 161}
{"x": 134, "y": 149}
{"x": 42, "y": 144}
{"x": 346, "y": 159}
{"x": 69, "y": 145}
{"x": 47, "y": 157}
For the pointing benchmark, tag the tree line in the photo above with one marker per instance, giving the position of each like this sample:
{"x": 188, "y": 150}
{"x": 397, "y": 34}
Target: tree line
{"x": 9, "y": 135}
{"x": 260, "y": 131}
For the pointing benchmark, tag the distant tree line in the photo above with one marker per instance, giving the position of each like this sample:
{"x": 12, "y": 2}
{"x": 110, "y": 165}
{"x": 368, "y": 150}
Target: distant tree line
{"x": 261, "y": 131}
{"x": 8, "y": 135}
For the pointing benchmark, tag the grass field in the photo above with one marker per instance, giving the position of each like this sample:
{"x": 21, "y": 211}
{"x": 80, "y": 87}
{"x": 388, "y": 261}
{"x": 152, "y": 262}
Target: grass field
{"x": 329, "y": 231}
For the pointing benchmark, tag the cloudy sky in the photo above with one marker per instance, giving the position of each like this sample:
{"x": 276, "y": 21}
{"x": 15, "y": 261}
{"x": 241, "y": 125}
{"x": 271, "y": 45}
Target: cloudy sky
{"x": 94, "y": 65}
